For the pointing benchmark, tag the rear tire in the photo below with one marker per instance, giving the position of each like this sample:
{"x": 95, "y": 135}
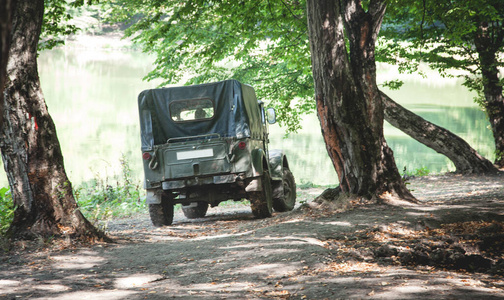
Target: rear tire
{"x": 162, "y": 214}
{"x": 261, "y": 202}
{"x": 287, "y": 201}
{"x": 198, "y": 211}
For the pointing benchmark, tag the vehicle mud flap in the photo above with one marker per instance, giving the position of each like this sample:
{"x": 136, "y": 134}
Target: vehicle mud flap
{"x": 162, "y": 214}
{"x": 153, "y": 196}
{"x": 285, "y": 192}
{"x": 261, "y": 202}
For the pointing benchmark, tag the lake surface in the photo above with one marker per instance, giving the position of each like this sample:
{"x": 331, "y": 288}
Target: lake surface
{"x": 92, "y": 97}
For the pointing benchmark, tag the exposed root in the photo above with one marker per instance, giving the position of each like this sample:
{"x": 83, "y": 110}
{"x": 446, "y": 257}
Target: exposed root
{"x": 395, "y": 200}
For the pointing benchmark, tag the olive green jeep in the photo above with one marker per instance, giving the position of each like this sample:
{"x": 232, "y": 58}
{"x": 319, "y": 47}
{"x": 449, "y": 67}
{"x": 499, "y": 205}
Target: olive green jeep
{"x": 208, "y": 143}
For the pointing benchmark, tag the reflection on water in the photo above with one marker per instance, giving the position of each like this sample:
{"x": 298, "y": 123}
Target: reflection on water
{"x": 92, "y": 97}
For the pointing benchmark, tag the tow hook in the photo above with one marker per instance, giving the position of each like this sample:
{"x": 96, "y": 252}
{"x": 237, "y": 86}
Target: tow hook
{"x": 153, "y": 164}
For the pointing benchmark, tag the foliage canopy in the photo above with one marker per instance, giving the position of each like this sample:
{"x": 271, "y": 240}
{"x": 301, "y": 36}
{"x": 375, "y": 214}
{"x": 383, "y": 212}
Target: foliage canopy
{"x": 264, "y": 43}
{"x": 55, "y": 24}
{"x": 443, "y": 34}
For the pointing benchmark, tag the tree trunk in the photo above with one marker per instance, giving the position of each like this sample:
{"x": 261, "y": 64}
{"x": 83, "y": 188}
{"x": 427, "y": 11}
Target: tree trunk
{"x": 488, "y": 42}
{"x": 464, "y": 157}
{"x": 5, "y": 29}
{"x": 349, "y": 104}
{"x": 494, "y": 106}
{"x": 31, "y": 153}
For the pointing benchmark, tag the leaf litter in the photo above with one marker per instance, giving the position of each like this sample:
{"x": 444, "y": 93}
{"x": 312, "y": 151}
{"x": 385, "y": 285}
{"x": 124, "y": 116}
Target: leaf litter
{"x": 450, "y": 245}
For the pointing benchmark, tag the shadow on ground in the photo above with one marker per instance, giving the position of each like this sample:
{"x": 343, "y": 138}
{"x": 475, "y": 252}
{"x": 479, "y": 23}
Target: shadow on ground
{"x": 304, "y": 254}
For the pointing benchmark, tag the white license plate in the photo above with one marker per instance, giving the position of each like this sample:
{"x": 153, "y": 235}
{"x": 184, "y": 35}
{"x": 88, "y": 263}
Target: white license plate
{"x": 194, "y": 154}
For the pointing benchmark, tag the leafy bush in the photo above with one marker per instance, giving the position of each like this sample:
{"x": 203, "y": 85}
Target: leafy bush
{"x": 100, "y": 200}
{"x": 6, "y": 210}
{"x": 423, "y": 171}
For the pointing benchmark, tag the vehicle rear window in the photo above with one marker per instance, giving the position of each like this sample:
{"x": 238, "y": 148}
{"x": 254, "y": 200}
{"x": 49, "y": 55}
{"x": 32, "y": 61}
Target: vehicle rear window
{"x": 192, "y": 110}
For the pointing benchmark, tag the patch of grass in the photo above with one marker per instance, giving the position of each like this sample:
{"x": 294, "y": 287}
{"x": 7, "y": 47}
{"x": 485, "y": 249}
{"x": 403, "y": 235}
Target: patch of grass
{"x": 6, "y": 210}
{"x": 309, "y": 185}
{"x": 423, "y": 171}
{"x": 100, "y": 200}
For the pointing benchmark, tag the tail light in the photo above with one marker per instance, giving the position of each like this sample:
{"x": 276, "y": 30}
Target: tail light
{"x": 146, "y": 156}
{"x": 242, "y": 145}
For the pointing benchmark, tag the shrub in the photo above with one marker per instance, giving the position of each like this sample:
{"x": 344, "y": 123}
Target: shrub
{"x": 99, "y": 200}
{"x": 6, "y": 210}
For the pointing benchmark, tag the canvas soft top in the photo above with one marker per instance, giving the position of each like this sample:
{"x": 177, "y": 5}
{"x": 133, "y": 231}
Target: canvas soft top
{"x": 236, "y": 112}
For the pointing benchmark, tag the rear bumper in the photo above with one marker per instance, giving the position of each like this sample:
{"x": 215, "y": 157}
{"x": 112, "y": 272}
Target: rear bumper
{"x": 214, "y": 187}
{"x": 197, "y": 181}
{"x": 153, "y": 196}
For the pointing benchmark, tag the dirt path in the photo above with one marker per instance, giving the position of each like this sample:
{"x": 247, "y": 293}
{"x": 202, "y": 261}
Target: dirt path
{"x": 368, "y": 252}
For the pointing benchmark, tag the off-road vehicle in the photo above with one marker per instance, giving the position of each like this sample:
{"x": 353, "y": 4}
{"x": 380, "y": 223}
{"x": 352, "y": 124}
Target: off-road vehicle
{"x": 208, "y": 143}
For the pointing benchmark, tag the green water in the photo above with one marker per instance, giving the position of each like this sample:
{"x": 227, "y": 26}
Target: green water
{"x": 92, "y": 97}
